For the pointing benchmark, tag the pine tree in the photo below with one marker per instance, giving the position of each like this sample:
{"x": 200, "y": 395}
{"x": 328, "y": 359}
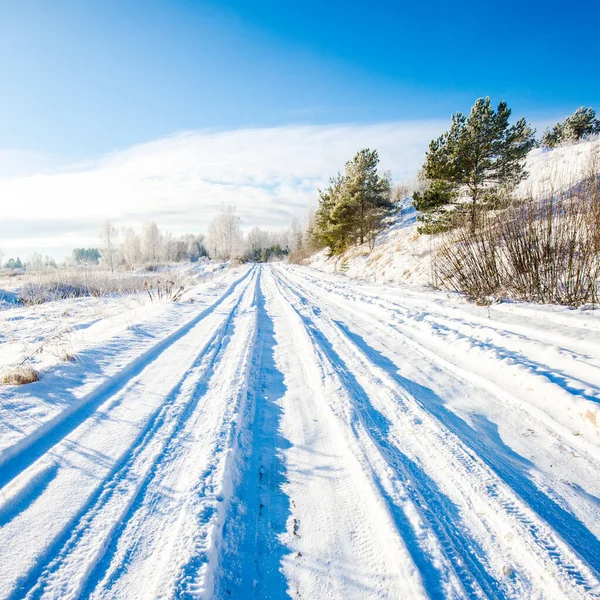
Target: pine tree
{"x": 329, "y": 230}
{"x": 432, "y": 203}
{"x": 368, "y": 195}
{"x": 581, "y": 125}
{"x": 355, "y": 206}
{"x": 478, "y": 155}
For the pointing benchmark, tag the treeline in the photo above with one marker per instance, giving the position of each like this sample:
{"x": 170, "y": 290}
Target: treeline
{"x": 150, "y": 246}
{"x": 226, "y": 241}
{"x": 35, "y": 261}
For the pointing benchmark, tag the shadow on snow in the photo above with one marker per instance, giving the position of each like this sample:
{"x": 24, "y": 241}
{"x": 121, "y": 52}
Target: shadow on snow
{"x": 484, "y": 440}
{"x": 251, "y": 553}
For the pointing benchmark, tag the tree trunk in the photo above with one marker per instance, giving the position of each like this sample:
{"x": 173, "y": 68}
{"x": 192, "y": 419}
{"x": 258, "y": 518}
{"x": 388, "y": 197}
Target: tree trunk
{"x": 473, "y": 212}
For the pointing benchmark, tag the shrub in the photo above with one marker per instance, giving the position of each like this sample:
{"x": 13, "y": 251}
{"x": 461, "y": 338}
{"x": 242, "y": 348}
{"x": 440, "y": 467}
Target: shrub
{"x": 544, "y": 251}
{"x": 38, "y": 293}
{"x": 19, "y": 376}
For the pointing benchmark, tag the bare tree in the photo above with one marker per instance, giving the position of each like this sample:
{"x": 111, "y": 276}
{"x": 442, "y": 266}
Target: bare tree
{"x": 109, "y": 250}
{"x": 224, "y": 239}
{"x": 151, "y": 242}
{"x": 172, "y": 248}
{"x": 36, "y": 261}
{"x": 131, "y": 247}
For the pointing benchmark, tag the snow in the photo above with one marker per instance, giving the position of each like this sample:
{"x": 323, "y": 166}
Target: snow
{"x": 295, "y": 433}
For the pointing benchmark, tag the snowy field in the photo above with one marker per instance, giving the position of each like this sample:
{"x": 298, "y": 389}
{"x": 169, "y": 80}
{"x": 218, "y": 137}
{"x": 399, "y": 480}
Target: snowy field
{"x": 293, "y": 433}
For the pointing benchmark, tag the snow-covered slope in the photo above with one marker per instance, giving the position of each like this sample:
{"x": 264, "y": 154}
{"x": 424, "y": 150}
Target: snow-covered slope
{"x": 401, "y": 255}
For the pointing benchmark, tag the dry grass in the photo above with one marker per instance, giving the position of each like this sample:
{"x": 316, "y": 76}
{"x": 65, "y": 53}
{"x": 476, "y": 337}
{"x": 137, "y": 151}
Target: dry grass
{"x": 21, "y": 375}
{"x": 59, "y": 284}
{"x": 67, "y": 356}
{"x": 48, "y": 285}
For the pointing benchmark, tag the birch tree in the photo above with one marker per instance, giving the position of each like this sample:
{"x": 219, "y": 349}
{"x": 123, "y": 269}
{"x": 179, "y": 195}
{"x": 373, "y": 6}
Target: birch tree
{"x": 109, "y": 249}
{"x": 224, "y": 238}
{"x": 151, "y": 242}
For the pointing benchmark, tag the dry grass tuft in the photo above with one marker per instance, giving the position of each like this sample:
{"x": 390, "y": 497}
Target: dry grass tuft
{"x": 21, "y": 375}
{"x": 68, "y": 356}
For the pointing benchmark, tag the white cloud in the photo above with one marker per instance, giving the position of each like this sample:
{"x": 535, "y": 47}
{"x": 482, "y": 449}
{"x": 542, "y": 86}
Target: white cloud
{"x": 19, "y": 162}
{"x": 270, "y": 174}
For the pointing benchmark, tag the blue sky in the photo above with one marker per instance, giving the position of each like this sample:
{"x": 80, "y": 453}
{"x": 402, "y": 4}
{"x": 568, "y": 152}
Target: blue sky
{"x": 83, "y": 77}
{"x": 94, "y": 95}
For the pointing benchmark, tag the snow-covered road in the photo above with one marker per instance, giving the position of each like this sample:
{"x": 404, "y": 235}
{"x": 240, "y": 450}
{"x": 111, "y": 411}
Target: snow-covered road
{"x": 310, "y": 436}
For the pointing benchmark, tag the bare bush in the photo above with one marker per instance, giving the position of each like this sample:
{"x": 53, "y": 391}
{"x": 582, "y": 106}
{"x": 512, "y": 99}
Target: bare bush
{"x": 539, "y": 250}
{"x": 550, "y": 252}
{"x": 469, "y": 263}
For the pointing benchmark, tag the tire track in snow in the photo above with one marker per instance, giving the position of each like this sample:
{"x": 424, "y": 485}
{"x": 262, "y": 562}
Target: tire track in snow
{"x": 94, "y": 534}
{"x": 546, "y": 416}
{"x": 116, "y": 481}
{"x": 15, "y": 459}
{"x": 250, "y": 552}
{"x": 578, "y": 575}
{"x": 450, "y": 323}
{"x": 483, "y": 444}
{"x": 435, "y": 354}
{"x": 344, "y": 543}
{"x": 567, "y": 374}
{"x": 435, "y": 509}
{"x": 164, "y": 542}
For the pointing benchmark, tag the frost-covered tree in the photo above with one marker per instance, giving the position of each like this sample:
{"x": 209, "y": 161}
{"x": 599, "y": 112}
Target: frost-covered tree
{"x": 476, "y": 157}
{"x": 153, "y": 245}
{"x": 35, "y": 261}
{"x": 109, "y": 245}
{"x": 301, "y": 238}
{"x": 151, "y": 242}
{"x": 172, "y": 249}
{"x": 194, "y": 246}
{"x": 131, "y": 247}
{"x": 263, "y": 245}
{"x": 296, "y": 237}
{"x": 255, "y": 242}
{"x": 224, "y": 238}
{"x": 581, "y": 125}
